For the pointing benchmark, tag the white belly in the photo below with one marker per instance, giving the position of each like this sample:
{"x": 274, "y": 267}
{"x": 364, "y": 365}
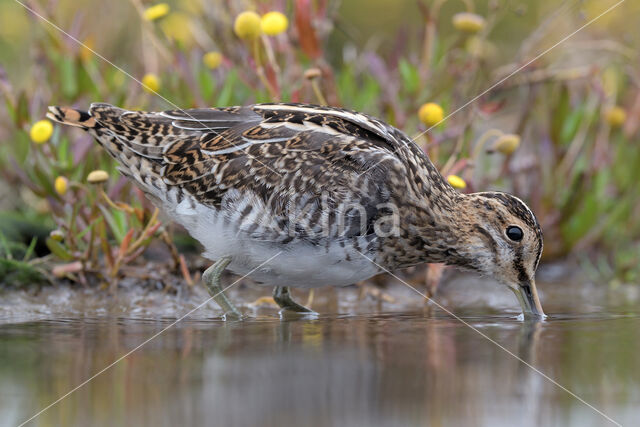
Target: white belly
{"x": 297, "y": 263}
{"x": 303, "y": 267}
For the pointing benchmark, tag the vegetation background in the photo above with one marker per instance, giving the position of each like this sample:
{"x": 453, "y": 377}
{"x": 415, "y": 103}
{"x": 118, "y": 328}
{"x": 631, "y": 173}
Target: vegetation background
{"x": 560, "y": 130}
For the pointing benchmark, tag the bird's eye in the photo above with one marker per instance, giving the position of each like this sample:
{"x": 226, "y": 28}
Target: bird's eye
{"x": 515, "y": 233}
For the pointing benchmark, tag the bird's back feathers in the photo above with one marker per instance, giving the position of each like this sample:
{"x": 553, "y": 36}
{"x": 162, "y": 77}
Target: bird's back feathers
{"x": 278, "y": 155}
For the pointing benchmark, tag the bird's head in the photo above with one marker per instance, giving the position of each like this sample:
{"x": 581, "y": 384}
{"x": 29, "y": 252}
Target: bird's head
{"x": 502, "y": 238}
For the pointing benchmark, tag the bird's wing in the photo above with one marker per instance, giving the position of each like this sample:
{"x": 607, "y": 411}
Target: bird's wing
{"x": 283, "y": 155}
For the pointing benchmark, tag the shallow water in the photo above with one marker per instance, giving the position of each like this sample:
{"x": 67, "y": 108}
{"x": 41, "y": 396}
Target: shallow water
{"x": 403, "y": 367}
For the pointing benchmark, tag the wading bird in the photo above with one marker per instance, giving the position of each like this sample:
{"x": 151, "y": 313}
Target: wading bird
{"x": 331, "y": 196}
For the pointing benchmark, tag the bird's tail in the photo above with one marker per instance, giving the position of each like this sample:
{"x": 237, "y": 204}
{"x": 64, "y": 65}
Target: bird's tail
{"x": 72, "y": 117}
{"x": 86, "y": 121}
{"x": 102, "y": 121}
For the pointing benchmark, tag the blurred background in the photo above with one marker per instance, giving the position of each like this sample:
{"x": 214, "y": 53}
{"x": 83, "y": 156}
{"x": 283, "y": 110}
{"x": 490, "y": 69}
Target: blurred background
{"x": 561, "y": 133}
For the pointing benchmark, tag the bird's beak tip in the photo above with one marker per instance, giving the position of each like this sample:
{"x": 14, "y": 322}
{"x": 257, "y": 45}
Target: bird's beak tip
{"x": 529, "y": 301}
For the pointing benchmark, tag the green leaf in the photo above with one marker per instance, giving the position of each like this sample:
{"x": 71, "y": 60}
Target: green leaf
{"x": 22, "y": 110}
{"x": 80, "y": 235}
{"x": 114, "y": 222}
{"x": 226, "y": 93}
{"x": 29, "y": 252}
{"x": 410, "y": 76}
{"x": 58, "y": 249}
{"x": 367, "y": 95}
{"x": 571, "y": 125}
{"x": 262, "y": 96}
{"x": 19, "y": 148}
{"x": 559, "y": 113}
{"x": 207, "y": 83}
{"x": 42, "y": 178}
{"x": 4, "y": 245}
{"x": 85, "y": 82}
{"x": 347, "y": 83}
{"x": 65, "y": 156}
{"x": 19, "y": 273}
{"x": 68, "y": 77}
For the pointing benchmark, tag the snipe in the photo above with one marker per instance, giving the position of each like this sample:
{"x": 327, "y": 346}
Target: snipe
{"x": 337, "y": 195}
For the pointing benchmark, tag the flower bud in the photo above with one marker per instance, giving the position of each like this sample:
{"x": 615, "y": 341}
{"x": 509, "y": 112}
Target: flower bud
{"x": 247, "y": 25}
{"x": 456, "y": 182}
{"x": 615, "y": 116}
{"x": 212, "y": 60}
{"x": 312, "y": 73}
{"x": 468, "y": 22}
{"x": 61, "y": 184}
{"x": 156, "y": 11}
{"x": 274, "y": 23}
{"x": 506, "y": 144}
{"x": 57, "y": 235}
{"x": 41, "y": 131}
{"x": 151, "y": 83}
{"x": 97, "y": 177}
{"x": 431, "y": 114}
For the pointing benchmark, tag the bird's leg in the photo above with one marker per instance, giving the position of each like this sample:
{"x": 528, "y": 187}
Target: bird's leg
{"x": 211, "y": 279}
{"x": 282, "y": 297}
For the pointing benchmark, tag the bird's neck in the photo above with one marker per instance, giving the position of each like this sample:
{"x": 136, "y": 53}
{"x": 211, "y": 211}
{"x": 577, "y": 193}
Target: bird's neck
{"x": 433, "y": 230}
{"x": 434, "y": 222}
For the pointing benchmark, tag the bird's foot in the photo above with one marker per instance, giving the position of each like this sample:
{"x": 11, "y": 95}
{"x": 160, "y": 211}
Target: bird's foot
{"x": 282, "y": 297}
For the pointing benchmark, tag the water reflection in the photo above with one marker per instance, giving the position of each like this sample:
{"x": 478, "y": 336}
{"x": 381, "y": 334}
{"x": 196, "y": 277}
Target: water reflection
{"x": 388, "y": 369}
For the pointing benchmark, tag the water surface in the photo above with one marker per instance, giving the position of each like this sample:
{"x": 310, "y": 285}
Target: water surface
{"x": 404, "y": 367}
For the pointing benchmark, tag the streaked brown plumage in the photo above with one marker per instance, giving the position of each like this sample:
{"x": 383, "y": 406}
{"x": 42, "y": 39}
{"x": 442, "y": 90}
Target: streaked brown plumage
{"x": 330, "y": 190}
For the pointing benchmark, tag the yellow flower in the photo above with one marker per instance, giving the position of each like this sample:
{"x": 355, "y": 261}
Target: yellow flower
{"x": 506, "y": 144}
{"x": 156, "y": 11}
{"x": 151, "y": 83}
{"x": 41, "y": 131}
{"x": 97, "y": 177}
{"x": 468, "y": 22}
{"x": 615, "y": 116}
{"x": 212, "y": 59}
{"x": 247, "y": 25}
{"x": 456, "y": 182}
{"x": 177, "y": 26}
{"x": 57, "y": 235}
{"x": 86, "y": 50}
{"x": 61, "y": 184}
{"x": 431, "y": 114}
{"x": 274, "y": 23}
